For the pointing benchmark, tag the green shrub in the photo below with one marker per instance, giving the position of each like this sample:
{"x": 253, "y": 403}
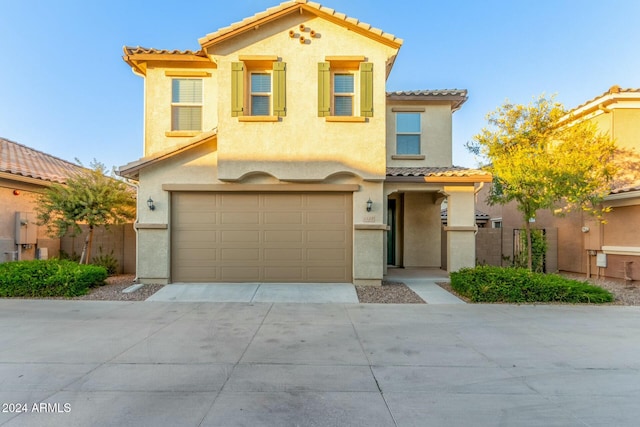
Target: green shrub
{"x": 48, "y": 278}
{"x": 108, "y": 261}
{"x": 519, "y": 285}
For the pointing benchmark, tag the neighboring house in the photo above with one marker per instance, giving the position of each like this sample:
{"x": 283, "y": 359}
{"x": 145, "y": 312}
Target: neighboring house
{"x": 24, "y": 173}
{"x": 582, "y": 241}
{"x": 274, "y": 154}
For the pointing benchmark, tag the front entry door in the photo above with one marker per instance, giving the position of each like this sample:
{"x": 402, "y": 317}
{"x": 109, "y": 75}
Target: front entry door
{"x": 391, "y": 233}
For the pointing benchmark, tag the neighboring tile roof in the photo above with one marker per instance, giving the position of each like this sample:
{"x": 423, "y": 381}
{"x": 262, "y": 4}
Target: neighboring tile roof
{"x": 480, "y": 216}
{"x": 626, "y": 189}
{"x": 453, "y": 171}
{"x": 457, "y": 97}
{"x": 18, "y": 159}
{"x": 138, "y": 50}
{"x": 293, "y": 5}
{"x": 612, "y": 91}
{"x": 432, "y": 92}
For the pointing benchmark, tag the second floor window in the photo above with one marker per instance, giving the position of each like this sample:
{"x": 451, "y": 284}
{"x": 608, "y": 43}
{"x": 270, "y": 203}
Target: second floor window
{"x": 408, "y": 133}
{"x": 343, "y": 93}
{"x": 186, "y": 104}
{"x": 260, "y": 94}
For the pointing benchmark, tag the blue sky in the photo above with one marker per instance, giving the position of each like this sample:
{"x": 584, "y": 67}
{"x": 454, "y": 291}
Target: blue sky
{"x": 65, "y": 90}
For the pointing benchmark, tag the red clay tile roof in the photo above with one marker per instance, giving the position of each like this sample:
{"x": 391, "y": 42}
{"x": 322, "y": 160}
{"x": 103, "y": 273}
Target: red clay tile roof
{"x": 612, "y": 91}
{"x": 138, "y": 50}
{"x": 453, "y": 171}
{"x": 293, "y": 5}
{"x": 17, "y": 159}
{"x": 626, "y": 189}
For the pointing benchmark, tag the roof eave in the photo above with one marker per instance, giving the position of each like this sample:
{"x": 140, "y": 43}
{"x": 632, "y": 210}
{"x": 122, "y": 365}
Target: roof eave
{"x": 132, "y": 170}
{"x": 441, "y": 179}
{"x": 378, "y": 35}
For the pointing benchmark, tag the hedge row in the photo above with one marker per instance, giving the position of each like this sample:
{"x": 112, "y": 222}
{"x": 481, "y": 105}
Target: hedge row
{"x": 48, "y": 278}
{"x": 518, "y": 285}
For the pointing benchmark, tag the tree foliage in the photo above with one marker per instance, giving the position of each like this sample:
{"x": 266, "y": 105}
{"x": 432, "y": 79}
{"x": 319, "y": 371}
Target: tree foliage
{"x": 90, "y": 197}
{"x": 540, "y": 164}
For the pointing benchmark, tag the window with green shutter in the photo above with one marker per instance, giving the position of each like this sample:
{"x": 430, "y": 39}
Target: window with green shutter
{"x": 345, "y": 88}
{"x": 258, "y": 88}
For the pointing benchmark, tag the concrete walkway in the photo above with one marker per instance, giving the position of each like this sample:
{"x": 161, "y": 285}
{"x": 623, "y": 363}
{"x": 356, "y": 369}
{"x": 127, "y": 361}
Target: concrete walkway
{"x": 81, "y": 363}
{"x": 421, "y": 281}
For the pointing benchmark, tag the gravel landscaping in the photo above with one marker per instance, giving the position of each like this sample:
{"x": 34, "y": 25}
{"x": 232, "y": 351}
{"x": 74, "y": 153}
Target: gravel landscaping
{"x": 389, "y": 293}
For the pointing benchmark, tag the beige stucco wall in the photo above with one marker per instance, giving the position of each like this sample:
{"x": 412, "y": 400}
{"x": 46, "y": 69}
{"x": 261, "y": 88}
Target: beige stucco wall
{"x": 421, "y": 230}
{"x": 301, "y": 146}
{"x": 460, "y": 226}
{"x": 157, "y": 107}
{"x": 198, "y": 166}
{"x": 436, "y": 134}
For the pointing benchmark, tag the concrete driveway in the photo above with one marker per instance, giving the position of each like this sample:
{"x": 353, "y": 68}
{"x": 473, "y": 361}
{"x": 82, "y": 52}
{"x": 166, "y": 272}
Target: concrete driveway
{"x": 279, "y": 364}
{"x": 423, "y": 281}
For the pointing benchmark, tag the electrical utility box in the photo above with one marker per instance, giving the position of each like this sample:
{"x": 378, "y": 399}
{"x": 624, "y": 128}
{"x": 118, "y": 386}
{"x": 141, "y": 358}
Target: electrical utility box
{"x": 601, "y": 260}
{"x": 26, "y": 228}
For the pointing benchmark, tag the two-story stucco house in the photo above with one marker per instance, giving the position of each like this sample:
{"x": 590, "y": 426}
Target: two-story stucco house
{"x": 274, "y": 154}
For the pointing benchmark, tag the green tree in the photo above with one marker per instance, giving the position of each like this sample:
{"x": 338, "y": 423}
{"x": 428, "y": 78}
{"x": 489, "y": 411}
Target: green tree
{"x": 541, "y": 165}
{"x": 90, "y": 197}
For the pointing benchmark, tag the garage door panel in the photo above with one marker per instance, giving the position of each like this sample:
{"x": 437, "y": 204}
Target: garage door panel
{"x": 240, "y": 254}
{"x": 322, "y": 236}
{"x": 239, "y": 274}
{"x": 189, "y": 236}
{"x": 280, "y": 236}
{"x": 283, "y": 254}
{"x": 268, "y": 237}
{"x": 328, "y": 254}
{"x": 284, "y": 202}
{"x": 323, "y": 202}
{"x": 240, "y": 236}
{"x": 326, "y": 218}
{"x": 326, "y": 274}
{"x": 283, "y": 218}
{"x": 240, "y": 218}
{"x": 238, "y": 201}
{"x": 279, "y": 273}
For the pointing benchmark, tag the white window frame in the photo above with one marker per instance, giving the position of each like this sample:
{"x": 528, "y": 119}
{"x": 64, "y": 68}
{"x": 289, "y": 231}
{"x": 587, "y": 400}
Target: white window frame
{"x": 268, "y": 95}
{"x": 418, "y": 132}
{"x": 353, "y": 95}
{"x": 187, "y": 104}
{"x": 495, "y": 222}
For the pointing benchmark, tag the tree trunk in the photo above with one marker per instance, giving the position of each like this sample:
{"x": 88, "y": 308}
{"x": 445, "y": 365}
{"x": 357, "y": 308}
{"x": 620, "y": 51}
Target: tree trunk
{"x": 90, "y": 244}
{"x": 527, "y": 226}
{"x": 86, "y": 248}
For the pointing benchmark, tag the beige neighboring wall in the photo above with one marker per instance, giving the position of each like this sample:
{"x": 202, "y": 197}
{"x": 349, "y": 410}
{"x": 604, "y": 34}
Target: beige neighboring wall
{"x": 24, "y": 201}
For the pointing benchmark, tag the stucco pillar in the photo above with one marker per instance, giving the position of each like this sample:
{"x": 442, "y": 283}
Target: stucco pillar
{"x": 369, "y": 235}
{"x": 461, "y": 227}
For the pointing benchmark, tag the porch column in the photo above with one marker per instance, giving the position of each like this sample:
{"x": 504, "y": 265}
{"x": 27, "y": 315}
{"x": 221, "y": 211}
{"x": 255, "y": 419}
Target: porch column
{"x": 461, "y": 227}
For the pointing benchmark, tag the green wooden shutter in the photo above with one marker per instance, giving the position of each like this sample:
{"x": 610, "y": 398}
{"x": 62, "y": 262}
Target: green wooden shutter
{"x": 279, "y": 89}
{"x": 237, "y": 89}
{"x": 324, "y": 89}
{"x": 366, "y": 89}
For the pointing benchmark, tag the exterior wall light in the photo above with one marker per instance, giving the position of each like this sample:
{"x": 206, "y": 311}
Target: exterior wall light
{"x": 369, "y": 205}
{"x": 150, "y": 204}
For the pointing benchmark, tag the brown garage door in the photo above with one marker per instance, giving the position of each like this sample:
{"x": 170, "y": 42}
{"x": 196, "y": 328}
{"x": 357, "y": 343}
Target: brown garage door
{"x": 261, "y": 237}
